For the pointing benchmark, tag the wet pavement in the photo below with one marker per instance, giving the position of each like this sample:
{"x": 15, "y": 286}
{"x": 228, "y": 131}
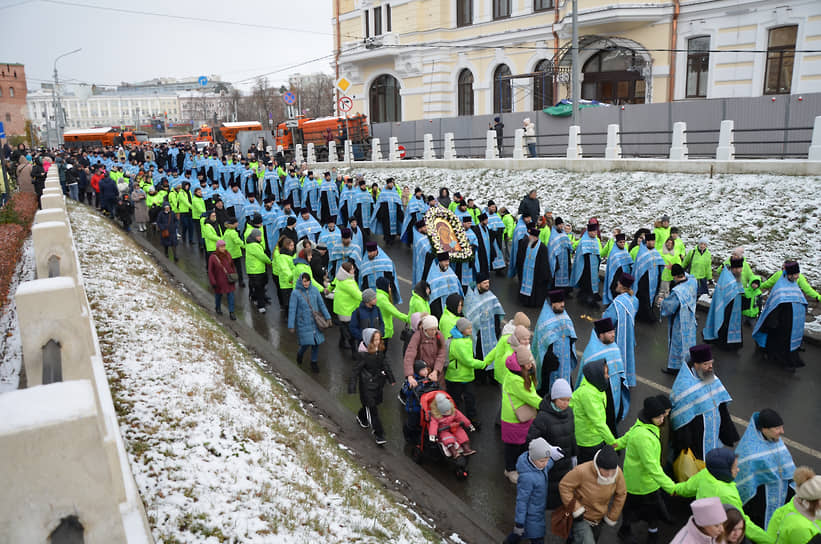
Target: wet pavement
{"x": 753, "y": 383}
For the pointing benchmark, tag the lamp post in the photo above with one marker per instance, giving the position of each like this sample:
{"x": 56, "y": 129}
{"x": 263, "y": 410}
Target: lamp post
{"x": 55, "y": 95}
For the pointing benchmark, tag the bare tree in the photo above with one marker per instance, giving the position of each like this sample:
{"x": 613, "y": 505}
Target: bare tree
{"x": 316, "y": 93}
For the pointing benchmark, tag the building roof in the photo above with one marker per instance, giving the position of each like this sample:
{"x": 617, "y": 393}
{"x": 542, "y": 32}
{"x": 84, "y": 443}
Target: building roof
{"x": 100, "y": 130}
{"x": 242, "y": 124}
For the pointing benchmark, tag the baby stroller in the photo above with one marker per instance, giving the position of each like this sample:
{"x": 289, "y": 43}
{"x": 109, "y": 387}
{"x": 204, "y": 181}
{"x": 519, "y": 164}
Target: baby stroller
{"x": 434, "y": 450}
{"x": 410, "y": 398}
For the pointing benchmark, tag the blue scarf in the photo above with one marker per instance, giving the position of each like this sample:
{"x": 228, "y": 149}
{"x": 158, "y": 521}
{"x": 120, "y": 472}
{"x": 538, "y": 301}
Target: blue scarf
{"x": 784, "y": 292}
{"x": 292, "y": 190}
{"x": 310, "y": 194}
{"x": 363, "y": 199}
{"x": 617, "y": 259}
{"x": 414, "y": 211}
{"x": 622, "y": 311}
{"x": 728, "y": 291}
{"x": 352, "y": 252}
{"x": 588, "y": 245}
{"x": 556, "y": 330}
{"x": 691, "y": 398}
{"x": 529, "y": 268}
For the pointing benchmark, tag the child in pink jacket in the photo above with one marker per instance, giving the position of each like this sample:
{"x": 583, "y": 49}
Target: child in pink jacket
{"x": 448, "y": 425}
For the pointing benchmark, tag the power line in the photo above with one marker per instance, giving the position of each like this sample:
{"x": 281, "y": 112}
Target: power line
{"x": 23, "y": 3}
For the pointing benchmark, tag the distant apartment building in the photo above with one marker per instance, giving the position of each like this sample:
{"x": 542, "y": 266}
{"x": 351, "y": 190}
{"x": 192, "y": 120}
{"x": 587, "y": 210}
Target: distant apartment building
{"x": 424, "y": 59}
{"x": 13, "y": 98}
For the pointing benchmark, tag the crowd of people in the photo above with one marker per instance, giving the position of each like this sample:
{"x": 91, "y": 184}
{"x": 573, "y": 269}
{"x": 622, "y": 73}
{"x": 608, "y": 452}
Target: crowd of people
{"x": 322, "y": 239}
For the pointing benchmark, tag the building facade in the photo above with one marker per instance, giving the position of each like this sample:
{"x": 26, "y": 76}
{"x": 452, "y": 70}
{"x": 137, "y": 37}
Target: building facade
{"x": 13, "y": 93}
{"x": 425, "y": 59}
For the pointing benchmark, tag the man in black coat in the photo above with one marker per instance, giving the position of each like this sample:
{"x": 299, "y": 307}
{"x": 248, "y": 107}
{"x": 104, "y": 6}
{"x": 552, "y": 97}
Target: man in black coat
{"x": 530, "y": 205}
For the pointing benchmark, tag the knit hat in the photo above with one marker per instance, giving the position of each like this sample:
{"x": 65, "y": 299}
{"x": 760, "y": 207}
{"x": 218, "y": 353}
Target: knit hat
{"x": 443, "y": 404}
{"x": 429, "y": 322}
{"x": 521, "y": 336}
{"x": 523, "y": 354}
{"x": 703, "y": 240}
{"x": 368, "y": 295}
{"x": 255, "y": 234}
{"x": 538, "y": 449}
{"x": 768, "y": 419}
{"x": 418, "y": 366}
{"x": 708, "y": 511}
{"x": 808, "y": 485}
{"x": 719, "y": 462}
{"x": 462, "y": 324}
{"x": 367, "y": 336}
{"x": 521, "y": 318}
{"x": 220, "y": 243}
{"x": 291, "y": 220}
{"x": 606, "y": 458}
{"x": 560, "y": 390}
{"x": 665, "y": 401}
{"x": 653, "y": 407}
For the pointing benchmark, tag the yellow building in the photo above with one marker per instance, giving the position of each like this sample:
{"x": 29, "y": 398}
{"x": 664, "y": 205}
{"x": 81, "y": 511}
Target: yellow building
{"x": 425, "y": 59}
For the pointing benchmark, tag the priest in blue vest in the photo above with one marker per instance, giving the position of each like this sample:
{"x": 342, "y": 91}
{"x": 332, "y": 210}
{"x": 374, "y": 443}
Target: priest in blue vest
{"x": 585, "y": 272}
{"x": 332, "y": 238}
{"x": 679, "y": 307}
{"x": 700, "y": 417}
{"x": 519, "y": 234}
{"x": 376, "y": 264}
{"x": 602, "y": 346}
{"x": 723, "y": 325}
{"x": 619, "y": 262}
{"x": 443, "y": 283}
{"x": 553, "y": 343}
{"x": 328, "y": 199}
{"x": 533, "y": 270}
{"x": 349, "y": 251}
{"x": 270, "y": 220}
{"x": 622, "y": 311}
{"x": 388, "y": 213}
{"x": 423, "y": 256}
{"x": 414, "y": 212}
{"x": 559, "y": 249}
{"x": 362, "y": 207}
{"x": 647, "y": 274}
{"x": 310, "y": 193}
{"x": 485, "y": 313}
{"x": 489, "y": 252}
{"x": 307, "y": 225}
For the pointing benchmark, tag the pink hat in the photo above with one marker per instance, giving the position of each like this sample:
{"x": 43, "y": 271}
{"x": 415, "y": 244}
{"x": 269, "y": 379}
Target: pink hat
{"x": 708, "y": 511}
{"x": 220, "y": 243}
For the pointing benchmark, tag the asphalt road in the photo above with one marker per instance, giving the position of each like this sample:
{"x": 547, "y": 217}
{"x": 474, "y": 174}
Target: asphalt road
{"x": 753, "y": 383}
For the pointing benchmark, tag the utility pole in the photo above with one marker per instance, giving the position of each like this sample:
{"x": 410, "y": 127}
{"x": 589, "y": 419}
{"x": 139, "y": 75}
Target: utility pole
{"x": 575, "y": 77}
{"x": 55, "y": 95}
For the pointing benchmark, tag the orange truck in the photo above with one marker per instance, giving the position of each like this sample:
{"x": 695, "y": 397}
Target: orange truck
{"x": 226, "y": 131}
{"x": 320, "y": 131}
{"x": 102, "y": 137}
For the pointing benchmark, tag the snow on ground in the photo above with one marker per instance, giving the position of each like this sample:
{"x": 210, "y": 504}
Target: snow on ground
{"x": 11, "y": 350}
{"x": 774, "y": 217}
{"x": 220, "y": 452}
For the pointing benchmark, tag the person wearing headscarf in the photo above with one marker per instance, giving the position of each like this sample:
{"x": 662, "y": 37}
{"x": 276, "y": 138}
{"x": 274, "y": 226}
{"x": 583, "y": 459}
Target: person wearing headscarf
{"x": 220, "y": 265}
{"x": 799, "y": 521}
{"x": 420, "y": 298}
{"x": 370, "y": 373}
{"x": 167, "y": 226}
{"x": 705, "y": 525}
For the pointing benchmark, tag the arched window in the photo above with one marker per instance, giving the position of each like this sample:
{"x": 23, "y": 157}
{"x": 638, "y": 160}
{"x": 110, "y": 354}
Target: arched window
{"x": 543, "y": 85}
{"x": 613, "y": 75}
{"x": 385, "y": 103}
{"x": 502, "y": 95}
{"x": 465, "y": 92}
{"x": 11, "y": 92}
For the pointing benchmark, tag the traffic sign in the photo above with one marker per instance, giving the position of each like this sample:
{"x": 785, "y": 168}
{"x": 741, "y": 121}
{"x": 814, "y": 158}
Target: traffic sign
{"x": 292, "y": 123}
{"x": 203, "y": 81}
{"x": 343, "y": 84}
{"x": 401, "y": 149}
{"x": 2, "y": 131}
{"x": 345, "y": 103}
{"x": 289, "y": 98}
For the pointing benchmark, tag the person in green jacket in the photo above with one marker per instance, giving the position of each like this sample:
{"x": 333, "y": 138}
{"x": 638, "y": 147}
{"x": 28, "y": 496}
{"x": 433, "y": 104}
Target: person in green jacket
{"x": 678, "y": 244}
{"x": 234, "y": 245}
{"x": 255, "y": 262}
{"x": 420, "y": 298}
{"x": 751, "y": 301}
{"x": 347, "y": 298}
{"x": 799, "y": 521}
{"x": 211, "y": 232}
{"x": 197, "y": 209}
{"x": 643, "y": 475}
{"x": 460, "y": 372}
{"x": 802, "y": 282}
{"x": 282, "y": 268}
{"x": 452, "y": 312}
{"x": 387, "y": 308}
{"x": 746, "y": 271}
{"x": 519, "y": 328}
{"x": 699, "y": 263}
{"x": 519, "y": 389}
{"x": 670, "y": 257}
{"x": 589, "y": 403}
{"x": 661, "y": 228}
{"x": 608, "y": 247}
{"x": 716, "y": 480}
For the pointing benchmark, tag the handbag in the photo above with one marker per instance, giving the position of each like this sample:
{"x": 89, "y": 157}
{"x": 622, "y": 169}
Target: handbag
{"x": 319, "y": 319}
{"x": 232, "y": 276}
{"x": 165, "y": 233}
{"x": 561, "y": 520}
{"x": 523, "y": 413}
{"x": 686, "y": 465}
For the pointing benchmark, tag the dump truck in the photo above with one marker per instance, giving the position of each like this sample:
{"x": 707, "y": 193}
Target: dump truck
{"x": 320, "y": 131}
{"x": 226, "y": 131}
{"x": 102, "y": 137}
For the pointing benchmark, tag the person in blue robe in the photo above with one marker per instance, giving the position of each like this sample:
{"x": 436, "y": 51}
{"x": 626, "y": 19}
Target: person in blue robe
{"x": 331, "y": 237}
{"x": 765, "y": 467}
{"x": 414, "y": 211}
{"x": 679, "y": 307}
{"x": 553, "y": 343}
{"x": 376, "y": 264}
{"x": 700, "y": 416}
{"x": 443, "y": 283}
{"x": 519, "y": 234}
{"x": 497, "y": 232}
{"x": 585, "y": 271}
{"x": 388, "y": 213}
{"x": 559, "y": 249}
{"x": 622, "y": 311}
{"x": 485, "y": 313}
{"x": 236, "y": 200}
{"x": 723, "y": 325}
{"x": 362, "y": 207}
{"x": 270, "y": 219}
{"x": 328, "y": 199}
{"x": 307, "y": 225}
{"x": 489, "y": 253}
{"x": 779, "y": 330}
{"x": 423, "y": 256}
{"x": 619, "y": 262}
{"x": 251, "y": 206}
{"x": 647, "y": 271}
{"x": 357, "y": 233}
{"x": 349, "y": 251}
{"x": 346, "y": 204}
{"x": 466, "y": 270}
{"x": 310, "y": 193}
{"x": 270, "y": 185}
{"x": 602, "y": 346}
{"x": 291, "y": 189}
{"x": 533, "y": 270}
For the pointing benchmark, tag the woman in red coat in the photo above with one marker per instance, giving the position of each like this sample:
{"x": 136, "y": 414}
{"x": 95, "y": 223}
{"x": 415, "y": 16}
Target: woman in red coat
{"x": 220, "y": 264}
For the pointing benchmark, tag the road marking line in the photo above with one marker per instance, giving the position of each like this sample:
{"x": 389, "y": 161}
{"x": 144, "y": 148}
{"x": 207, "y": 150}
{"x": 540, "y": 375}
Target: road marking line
{"x": 740, "y": 422}
{"x": 400, "y": 278}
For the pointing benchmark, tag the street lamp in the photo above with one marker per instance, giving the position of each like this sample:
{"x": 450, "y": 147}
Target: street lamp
{"x": 58, "y": 107}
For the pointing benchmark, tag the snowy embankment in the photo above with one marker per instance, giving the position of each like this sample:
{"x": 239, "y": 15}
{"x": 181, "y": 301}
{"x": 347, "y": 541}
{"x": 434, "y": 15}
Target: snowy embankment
{"x": 11, "y": 349}
{"x": 774, "y": 217}
{"x": 220, "y": 452}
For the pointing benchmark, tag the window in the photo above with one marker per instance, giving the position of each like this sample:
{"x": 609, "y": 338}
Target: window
{"x": 385, "y": 102}
{"x": 367, "y": 25}
{"x": 780, "y": 58}
{"x": 698, "y": 63}
{"x": 501, "y": 9}
{"x": 543, "y": 85}
{"x": 387, "y": 17}
{"x": 8, "y": 118}
{"x": 612, "y": 75}
{"x": 11, "y": 89}
{"x": 464, "y": 12}
{"x": 501, "y": 90}
{"x": 377, "y": 21}
{"x": 1, "y": 92}
{"x": 541, "y": 5}
{"x": 465, "y": 92}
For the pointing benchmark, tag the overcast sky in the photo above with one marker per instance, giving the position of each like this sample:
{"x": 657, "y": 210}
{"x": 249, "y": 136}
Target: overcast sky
{"x": 118, "y": 44}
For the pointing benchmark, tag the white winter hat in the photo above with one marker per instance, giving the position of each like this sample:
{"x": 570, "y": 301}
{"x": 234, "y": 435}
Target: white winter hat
{"x": 367, "y": 336}
{"x": 561, "y": 389}
{"x": 443, "y": 404}
{"x": 429, "y": 322}
{"x": 708, "y": 511}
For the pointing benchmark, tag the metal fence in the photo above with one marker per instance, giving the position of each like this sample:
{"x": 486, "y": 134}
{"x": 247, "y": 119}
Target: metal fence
{"x": 765, "y": 127}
